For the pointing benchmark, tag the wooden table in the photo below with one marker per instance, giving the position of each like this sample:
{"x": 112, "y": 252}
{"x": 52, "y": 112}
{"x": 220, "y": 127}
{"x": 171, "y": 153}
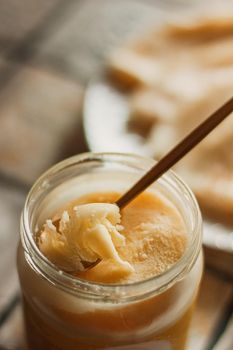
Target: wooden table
{"x": 44, "y": 63}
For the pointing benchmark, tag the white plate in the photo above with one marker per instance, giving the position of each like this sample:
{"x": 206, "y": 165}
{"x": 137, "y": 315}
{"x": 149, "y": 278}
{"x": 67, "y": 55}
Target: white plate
{"x": 105, "y": 119}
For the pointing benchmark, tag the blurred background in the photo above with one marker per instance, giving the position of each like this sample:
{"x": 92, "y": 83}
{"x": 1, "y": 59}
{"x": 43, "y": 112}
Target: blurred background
{"x": 126, "y": 76}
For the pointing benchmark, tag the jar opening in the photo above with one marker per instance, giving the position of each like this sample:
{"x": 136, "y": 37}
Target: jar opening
{"x": 67, "y": 173}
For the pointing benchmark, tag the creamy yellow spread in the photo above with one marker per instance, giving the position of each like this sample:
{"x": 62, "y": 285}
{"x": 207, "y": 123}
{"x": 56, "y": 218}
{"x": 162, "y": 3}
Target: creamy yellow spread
{"x": 88, "y": 233}
{"x": 142, "y": 241}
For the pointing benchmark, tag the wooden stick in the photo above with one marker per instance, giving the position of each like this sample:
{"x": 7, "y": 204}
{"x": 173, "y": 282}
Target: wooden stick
{"x": 178, "y": 152}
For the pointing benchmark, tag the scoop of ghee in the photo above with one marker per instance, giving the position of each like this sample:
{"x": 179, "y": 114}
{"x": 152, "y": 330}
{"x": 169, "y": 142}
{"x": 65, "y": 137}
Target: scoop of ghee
{"x": 88, "y": 233}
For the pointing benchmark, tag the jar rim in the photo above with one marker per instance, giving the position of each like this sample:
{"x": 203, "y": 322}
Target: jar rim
{"x": 110, "y": 292}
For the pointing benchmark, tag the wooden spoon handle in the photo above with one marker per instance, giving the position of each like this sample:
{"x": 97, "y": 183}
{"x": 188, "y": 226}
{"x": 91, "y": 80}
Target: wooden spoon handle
{"x": 179, "y": 151}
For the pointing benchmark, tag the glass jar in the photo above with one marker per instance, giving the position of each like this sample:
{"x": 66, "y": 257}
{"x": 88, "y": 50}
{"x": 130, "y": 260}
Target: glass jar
{"x": 66, "y": 313}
